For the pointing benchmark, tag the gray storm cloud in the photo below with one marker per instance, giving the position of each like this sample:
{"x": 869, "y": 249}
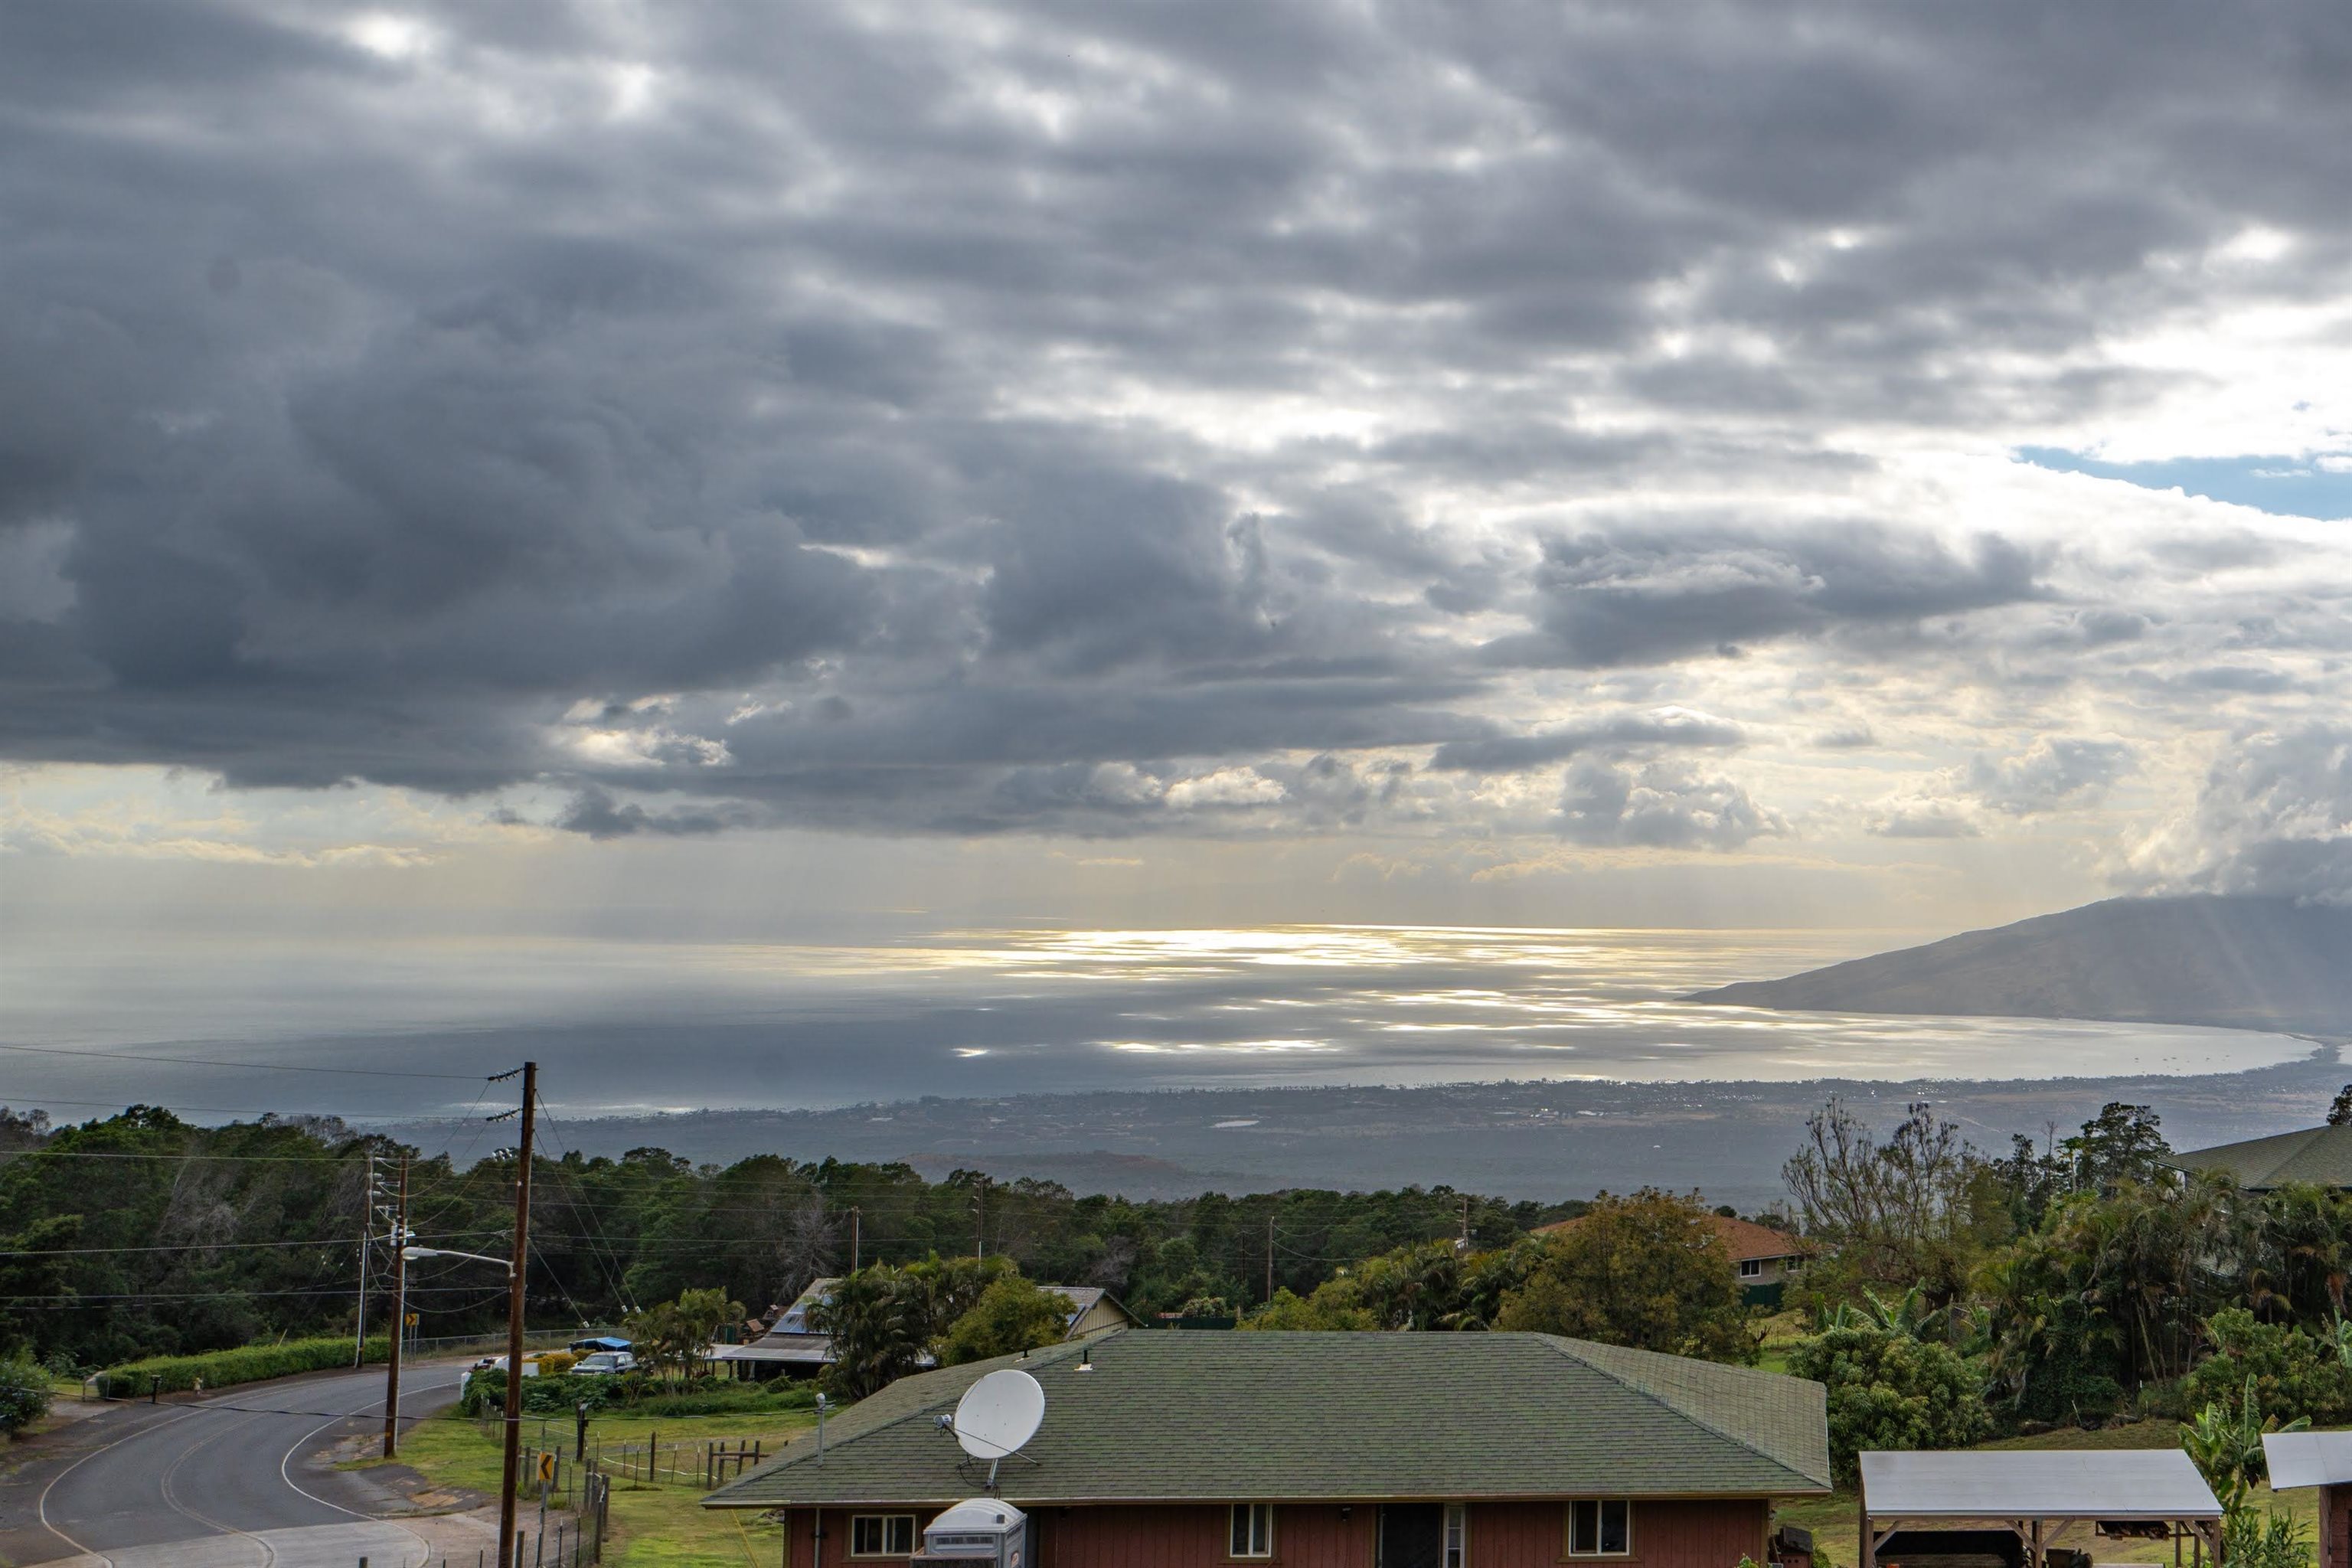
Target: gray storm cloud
{"x": 975, "y": 418}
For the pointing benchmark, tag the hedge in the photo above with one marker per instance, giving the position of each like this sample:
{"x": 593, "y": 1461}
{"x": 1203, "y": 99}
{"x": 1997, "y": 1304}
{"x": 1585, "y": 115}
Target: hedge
{"x": 224, "y": 1369}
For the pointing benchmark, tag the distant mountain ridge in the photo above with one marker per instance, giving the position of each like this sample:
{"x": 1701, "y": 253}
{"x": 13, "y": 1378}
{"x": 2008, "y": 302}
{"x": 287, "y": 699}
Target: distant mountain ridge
{"x": 2251, "y": 963}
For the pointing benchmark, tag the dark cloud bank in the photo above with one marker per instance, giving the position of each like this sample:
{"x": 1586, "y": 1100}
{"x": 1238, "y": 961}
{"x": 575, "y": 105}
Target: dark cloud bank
{"x": 717, "y": 420}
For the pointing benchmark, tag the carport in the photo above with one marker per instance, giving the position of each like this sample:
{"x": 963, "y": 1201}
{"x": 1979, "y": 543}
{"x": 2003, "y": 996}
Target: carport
{"x": 2013, "y": 1509}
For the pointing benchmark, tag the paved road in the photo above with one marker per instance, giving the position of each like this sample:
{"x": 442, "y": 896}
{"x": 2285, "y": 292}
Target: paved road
{"x": 233, "y": 1481}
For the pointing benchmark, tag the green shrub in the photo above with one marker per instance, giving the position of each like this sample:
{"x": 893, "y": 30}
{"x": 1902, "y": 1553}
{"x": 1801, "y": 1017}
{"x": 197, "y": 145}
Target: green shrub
{"x": 1890, "y": 1391}
{"x": 2069, "y": 1388}
{"x": 225, "y": 1369}
{"x": 2294, "y": 1375}
{"x": 25, "y": 1389}
{"x": 2252, "y": 1540}
{"x": 726, "y": 1397}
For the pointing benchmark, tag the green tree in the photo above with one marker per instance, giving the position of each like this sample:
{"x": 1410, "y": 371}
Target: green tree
{"x": 1647, "y": 1271}
{"x": 880, "y": 1319}
{"x": 1890, "y": 1391}
{"x": 2121, "y": 1143}
{"x": 1333, "y": 1307}
{"x": 1011, "y": 1314}
{"x": 674, "y": 1335}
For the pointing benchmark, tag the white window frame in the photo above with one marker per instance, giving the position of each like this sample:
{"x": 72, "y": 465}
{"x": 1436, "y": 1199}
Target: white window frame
{"x": 1599, "y": 1506}
{"x": 886, "y": 1524}
{"x": 1752, "y": 1268}
{"x": 1456, "y": 1551}
{"x": 1250, "y": 1525}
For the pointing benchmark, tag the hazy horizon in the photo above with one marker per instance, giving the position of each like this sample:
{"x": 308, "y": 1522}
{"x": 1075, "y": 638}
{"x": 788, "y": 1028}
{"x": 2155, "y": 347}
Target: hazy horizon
{"x": 634, "y": 1028}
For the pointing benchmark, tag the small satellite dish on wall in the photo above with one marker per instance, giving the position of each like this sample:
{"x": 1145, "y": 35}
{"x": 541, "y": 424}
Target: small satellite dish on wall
{"x": 999, "y": 1414}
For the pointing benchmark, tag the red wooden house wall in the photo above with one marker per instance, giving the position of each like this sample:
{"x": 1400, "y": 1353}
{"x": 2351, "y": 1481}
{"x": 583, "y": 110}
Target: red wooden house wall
{"x": 1708, "y": 1533}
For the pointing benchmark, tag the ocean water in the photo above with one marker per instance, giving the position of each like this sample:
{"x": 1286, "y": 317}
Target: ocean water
{"x": 634, "y": 1026}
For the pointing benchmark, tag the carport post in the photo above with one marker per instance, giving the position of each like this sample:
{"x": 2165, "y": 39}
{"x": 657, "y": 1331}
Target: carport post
{"x": 1867, "y": 1556}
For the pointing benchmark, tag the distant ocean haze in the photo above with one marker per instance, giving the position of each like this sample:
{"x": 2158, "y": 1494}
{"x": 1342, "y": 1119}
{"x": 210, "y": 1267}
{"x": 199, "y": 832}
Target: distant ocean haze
{"x": 622, "y": 1028}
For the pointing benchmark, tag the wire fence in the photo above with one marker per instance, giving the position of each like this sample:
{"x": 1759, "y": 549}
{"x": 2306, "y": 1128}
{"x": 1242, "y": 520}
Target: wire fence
{"x": 556, "y": 1470}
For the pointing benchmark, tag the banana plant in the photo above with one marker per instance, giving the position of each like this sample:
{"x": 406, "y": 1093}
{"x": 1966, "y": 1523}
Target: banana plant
{"x": 2227, "y": 1444}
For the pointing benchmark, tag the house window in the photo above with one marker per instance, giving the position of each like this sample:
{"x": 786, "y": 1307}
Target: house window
{"x": 882, "y": 1535}
{"x": 1601, "y": 1527}
{"x": 1752, "y": 1268}
{"x": 1252, "y": 1532}
{"x": 1456, "y": 1536}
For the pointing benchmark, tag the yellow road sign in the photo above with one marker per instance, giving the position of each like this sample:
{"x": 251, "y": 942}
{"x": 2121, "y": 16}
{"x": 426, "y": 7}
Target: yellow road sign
{"x": 547, "y": 1466}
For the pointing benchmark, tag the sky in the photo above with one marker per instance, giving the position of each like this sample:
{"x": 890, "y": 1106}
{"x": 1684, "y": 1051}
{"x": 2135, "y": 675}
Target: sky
{"x": 578, "y": 469}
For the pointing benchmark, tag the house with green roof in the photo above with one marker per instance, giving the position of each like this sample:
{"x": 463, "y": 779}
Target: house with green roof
{"x": 2316, "y": 1156}
{"x": 1324, "y": 1450}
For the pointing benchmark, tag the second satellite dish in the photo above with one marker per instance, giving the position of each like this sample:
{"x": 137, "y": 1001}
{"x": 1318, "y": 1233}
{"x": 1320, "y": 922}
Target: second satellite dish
{"x": 999, "y": 1414}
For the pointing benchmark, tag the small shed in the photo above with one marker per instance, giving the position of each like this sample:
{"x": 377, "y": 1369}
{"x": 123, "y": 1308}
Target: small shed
{"x": 2322, "y": 1460}
{"x": 1972, "y": 1510}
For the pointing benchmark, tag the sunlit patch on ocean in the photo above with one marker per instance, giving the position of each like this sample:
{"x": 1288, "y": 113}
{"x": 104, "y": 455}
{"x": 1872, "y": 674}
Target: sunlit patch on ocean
{"x": 1005, "y": 1012}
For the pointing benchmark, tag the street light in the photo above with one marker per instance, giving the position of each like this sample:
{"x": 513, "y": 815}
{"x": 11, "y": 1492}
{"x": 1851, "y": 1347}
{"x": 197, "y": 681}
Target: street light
{"x": 511, "y": 1402}
{"x": 412, "y": 1253}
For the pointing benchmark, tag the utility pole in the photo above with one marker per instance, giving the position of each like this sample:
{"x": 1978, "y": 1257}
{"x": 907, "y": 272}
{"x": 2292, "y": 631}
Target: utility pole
{"x": 367, "y": 1234}
{"x": 400, "y": 1239}
{"x": 1269, "y": 1256}
{"x": 980, "y": 1217}
{"x": 1463, "y": 1245}
{"x": 511, "y": 1459}
{"x": 854, "y": 1238}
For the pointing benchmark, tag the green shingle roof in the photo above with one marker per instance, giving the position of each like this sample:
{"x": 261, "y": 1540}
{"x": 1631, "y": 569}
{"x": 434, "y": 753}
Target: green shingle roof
{"x": 1172, "y": 1417}
{"x": 2319, "y": 1155}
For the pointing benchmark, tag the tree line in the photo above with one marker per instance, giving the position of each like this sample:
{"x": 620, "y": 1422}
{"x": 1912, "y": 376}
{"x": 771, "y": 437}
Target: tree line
{"x": 140, "y": 1234}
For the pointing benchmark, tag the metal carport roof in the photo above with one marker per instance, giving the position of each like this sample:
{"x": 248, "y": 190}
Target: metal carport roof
{"x": 2308, "y": 1459}
{"x": 2122, "y": 1483}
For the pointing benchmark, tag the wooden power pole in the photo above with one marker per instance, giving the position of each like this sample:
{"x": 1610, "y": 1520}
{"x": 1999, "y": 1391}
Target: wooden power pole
{"x": 400, "y": 1240}
{"x": 856, "y": 1236}
{"x": 511, "y": 1461}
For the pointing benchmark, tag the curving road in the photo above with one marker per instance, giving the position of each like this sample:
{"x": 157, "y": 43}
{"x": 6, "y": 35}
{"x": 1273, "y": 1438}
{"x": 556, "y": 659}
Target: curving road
{"x": 231, "y": 1481}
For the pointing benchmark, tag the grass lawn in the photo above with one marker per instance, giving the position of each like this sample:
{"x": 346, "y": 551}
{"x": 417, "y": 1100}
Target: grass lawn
{"x": 1831, "y": 1520}
{"x": 652, "y": 1525}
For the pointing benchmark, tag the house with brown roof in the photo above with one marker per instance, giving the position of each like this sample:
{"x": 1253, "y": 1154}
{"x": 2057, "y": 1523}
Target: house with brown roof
{"x": 1765, "y": 1259}
{"x": 1321, "y": 1450}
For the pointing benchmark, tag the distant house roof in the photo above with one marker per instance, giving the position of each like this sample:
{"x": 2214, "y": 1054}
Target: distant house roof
{"x": 2321, "y": 1156}
{"x": 1153, "y": 1416}
{"x": 787, "y": 1349}
{"x": 1084, "y": 1298}
{"x": 1746, "y": 1241}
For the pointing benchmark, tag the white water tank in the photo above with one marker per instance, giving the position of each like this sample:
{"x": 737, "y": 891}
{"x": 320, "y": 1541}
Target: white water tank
{"x": 977, "y": 1531}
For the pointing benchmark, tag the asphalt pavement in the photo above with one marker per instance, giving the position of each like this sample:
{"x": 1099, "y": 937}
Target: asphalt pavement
{"x": 235, "y": 1480}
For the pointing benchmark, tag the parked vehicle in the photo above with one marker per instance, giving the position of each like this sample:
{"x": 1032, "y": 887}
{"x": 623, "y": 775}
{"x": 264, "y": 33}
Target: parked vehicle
{"x": 605, "y": 1363}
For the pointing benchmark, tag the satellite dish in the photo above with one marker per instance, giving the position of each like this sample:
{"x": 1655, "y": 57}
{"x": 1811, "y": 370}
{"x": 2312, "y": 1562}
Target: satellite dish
{"x": 1000, "y": 1412}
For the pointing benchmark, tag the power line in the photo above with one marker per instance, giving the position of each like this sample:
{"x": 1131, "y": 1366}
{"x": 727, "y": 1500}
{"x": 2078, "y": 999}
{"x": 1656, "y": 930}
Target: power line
{"x": 242, "y": 1066}
{"x": 186, "y": 1154}
{"x": 322, "y": 1292}
{"x": 224, "y": 1246}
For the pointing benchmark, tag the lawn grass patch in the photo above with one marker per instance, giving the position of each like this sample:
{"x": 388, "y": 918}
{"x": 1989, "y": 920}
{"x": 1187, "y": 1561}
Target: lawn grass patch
{"x": 653, "y": 1526}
